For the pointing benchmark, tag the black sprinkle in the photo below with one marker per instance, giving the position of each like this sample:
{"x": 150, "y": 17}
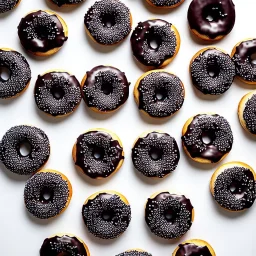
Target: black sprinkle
{"x": 161, "y": 143}
{"x": 7, "y": 5}
{"x": 170, "y": 87}
{"x": 218, "y": 62}
{"x": 134, "y": 253}
{"x": 63, "y": 2}
{"x": 120, "y": 213}
{"x": 249, "y": 114}
{"x": 165, "y": 3}
{"x": 112, "y": 11}
{"x": 20, "y": 73}
{"x": 10, "y": 149}
{"x": 244, "y": 194}
{"x": 33, "y": 194}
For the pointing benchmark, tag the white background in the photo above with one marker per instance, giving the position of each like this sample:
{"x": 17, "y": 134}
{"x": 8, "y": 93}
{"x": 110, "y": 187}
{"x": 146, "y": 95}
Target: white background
{"x": 21, "y": 234}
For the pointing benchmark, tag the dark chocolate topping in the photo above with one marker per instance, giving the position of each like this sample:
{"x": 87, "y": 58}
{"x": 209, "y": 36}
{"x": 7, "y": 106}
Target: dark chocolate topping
{"x": 20, "y": 73}
{"x": 40, "y": 31}
{"x": 51, "y": 184}
{"x": 57, "y": 93}
{"x": 63, "y": 2}
{"x": 222, "y": 13}
{"x": 10, "y": 149}
{"x": 170, "y": 89}
{"x": 106, "y": 216}
{"x": 106, "y": 88}
{"x": 249, "y": 114}
{"x": 190, "y": 249}
{"x": 235, "y": 188}
{"x": 134, "y": 253}
{"x": 108, "y": 22}
{"x": 62, "y": 245}
{"x": 212, "y": 72}
{"x": 153, "y": 30}
{"x": 214, "y": 127}
{"x": 245, "y": 68}
{"x": 168, "y": 215}
{"x": 98, "y": 154}
{"x": 7, "y": 5}
{"x": 163, "y": 148}
{"x": 165, "y": 3}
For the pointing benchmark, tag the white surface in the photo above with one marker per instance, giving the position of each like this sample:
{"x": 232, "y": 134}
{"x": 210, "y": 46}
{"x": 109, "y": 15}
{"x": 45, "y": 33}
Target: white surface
{"x": 22, "y": 234}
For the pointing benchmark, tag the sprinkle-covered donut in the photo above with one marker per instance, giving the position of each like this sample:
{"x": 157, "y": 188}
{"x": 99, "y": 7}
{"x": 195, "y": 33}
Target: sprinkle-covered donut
{"x": 247, "y": 112}
{"x": 105, "y": 89}
{"x": 207, "y": 138}
{"x": 61, "y": 3}
{"x": 19, "y": 70}
{"x": 7, "y": 5}
{"x": 98, "y": 153}
{"x": 42, "y": 33}
{"x": 168, "y": 215}
{"x": 166, "y": 38}
{"x": 57, "y": 93}
{"x": 47, "y": 194}
{"x": 155, "y": 154}
{"x": 134, "y": 252}
{"x": 12, "y": 142}
{"x": 212, "y": 71}
{"x": 211, "y": 19}
{"x": 106, "y": 214}
{"x": 159, "y": 93}
{"x": 194, "y": 247}
{"x": 165, "y": 3}
{"x": 64, "y": 244}
{"x": 233, "y": 186}
{"x": 108, "y": 22}
{"x": 241, "y": 55}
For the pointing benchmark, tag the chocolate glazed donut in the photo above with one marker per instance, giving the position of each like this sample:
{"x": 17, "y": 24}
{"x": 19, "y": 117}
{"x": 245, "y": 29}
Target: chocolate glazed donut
{"x": 211, "y": 19}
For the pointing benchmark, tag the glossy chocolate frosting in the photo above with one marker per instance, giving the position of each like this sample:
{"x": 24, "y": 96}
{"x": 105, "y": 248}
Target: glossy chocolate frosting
{"x": 165, "y": 3}
{"x": 221, "y": 11}
{"x": 40, "y": 31}
{"x": 7, "y": 5}
{"x": 63, "y": 245}
{"x": 190, "y": 249}
{"x": 68, "y": 2}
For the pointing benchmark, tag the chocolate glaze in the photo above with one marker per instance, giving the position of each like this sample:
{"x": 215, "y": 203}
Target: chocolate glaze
{"x": 7, "y": 5}
{"x": 134, "y": 253}
{"x": 66, "y": 2}
{"x": 100, "y": 141}
{"x": 222, "y": 12}
{"x": 217, "y": 129}
{"x": 40, "y": 31}
{"x": 190, "y": 249}
{"x": 249, "y": 114}
{"x": 165, "y": 3}
{"x": 160, "y": 31}
{"x": 105, "y": 88}
{"x": 65, "y": 244}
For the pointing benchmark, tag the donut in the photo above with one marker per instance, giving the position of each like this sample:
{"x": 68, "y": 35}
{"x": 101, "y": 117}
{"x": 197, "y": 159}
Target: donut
{"x": 105, "y": 89}
{"x": 98, "y": 153}
{"x": 134, "y": 252}
{"x": 108, "y": 22}
{"x": 211, "y": 19}
{"x": 155, "y": 154}
{"x": 57, "y": 93}
{"x": 106, "y": 214}
{"x": 165, "y": 3}
{"x": 166, "y": 38}
{"x": 212, "y": 71}
{"x": 47, "y": 194}
{"x": 169, "y": 215}
{"x": 233, "y": 186}
{"x": 10, "y": 149}
{"x": 42, "y": 33}
{"x": 19, "y": 73}
{"x": 242, "y": 57}
{"x": 194, "y": 247}
{"x": 247, "y": 112}
{"x": 207, "y": 138}
{"x": 159, "y": 93}
{"x": 7, "y": 5}
{"x": 64, "y": 244}
{"x": 61, "y": 3}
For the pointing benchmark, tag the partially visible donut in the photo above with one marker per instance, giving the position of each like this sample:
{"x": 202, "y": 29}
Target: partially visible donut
{"x": 61, "y": 3}
{"x": 134, "y": 252}
{"x": 7, "y": 5}
{"x": 165, "y": 3}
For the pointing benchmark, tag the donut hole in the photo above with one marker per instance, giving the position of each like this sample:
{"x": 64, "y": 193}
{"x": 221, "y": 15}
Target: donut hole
{"x": 154, "y": 41}
{"x": 213, "y": 12}
{"x": 41, "y": 32}
{"x": 253, "y": 58}
{"x": 155, "y": 153}
{"x": 46, "y": 195}
{"x": 236, "y": 189}
{"x": 208, "y": 137}
{"x": 108, "y": 20}
{"x": 169, "y": 215}
{"x": 160, "y": 94}
{"x": 57, "y": 92}
{"x": 107, "y": 88}
{"x": 213, "y": 69}
{"x": 107, "y": 215}
{"x": 5, "y": 73}
{"x": 98, "y": 153}
{"x": 25, "y": 148}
